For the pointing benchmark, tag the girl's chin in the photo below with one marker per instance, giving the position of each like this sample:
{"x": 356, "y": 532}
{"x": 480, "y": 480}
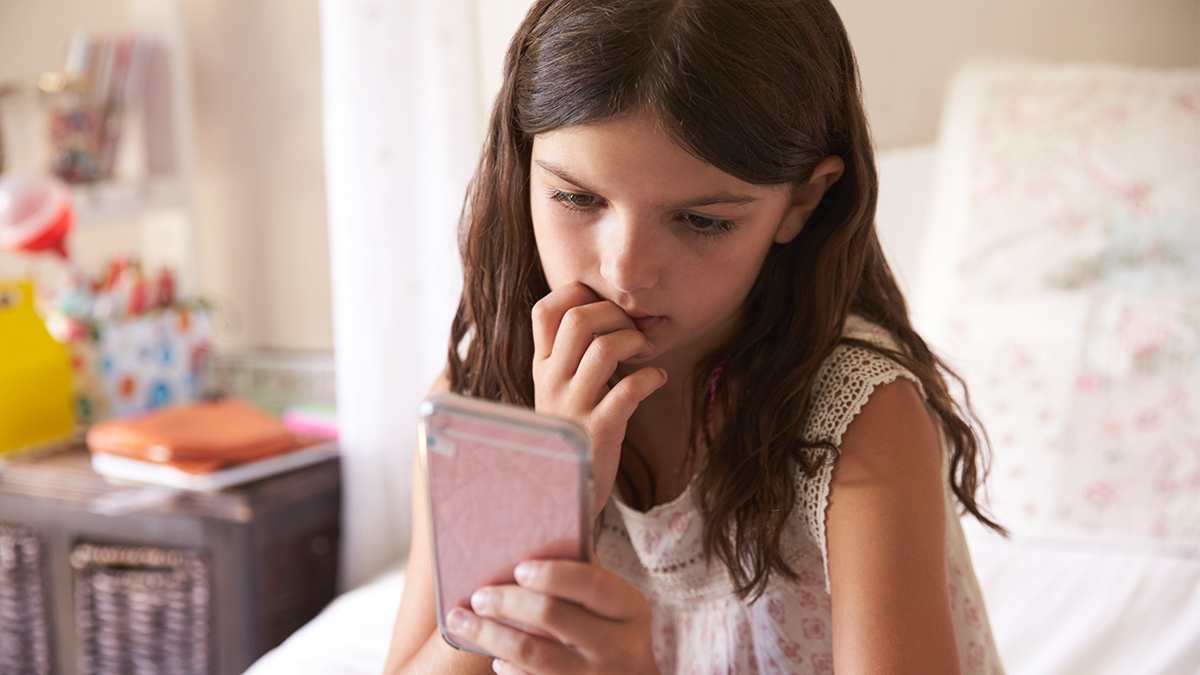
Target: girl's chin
{"x": 647, "y": 324}
{"x": 636, "y": 363}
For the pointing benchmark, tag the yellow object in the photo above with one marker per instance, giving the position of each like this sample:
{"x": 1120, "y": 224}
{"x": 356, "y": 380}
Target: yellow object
{"x": 35, "y": 376}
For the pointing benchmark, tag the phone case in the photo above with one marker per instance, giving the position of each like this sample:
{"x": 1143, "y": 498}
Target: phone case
{"x": 505, "y": 484}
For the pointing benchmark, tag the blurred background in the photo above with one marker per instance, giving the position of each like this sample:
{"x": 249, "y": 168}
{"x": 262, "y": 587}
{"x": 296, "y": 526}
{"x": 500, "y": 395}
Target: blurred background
{"x": 261, "y": 199}
{"x": 257, "y": 189}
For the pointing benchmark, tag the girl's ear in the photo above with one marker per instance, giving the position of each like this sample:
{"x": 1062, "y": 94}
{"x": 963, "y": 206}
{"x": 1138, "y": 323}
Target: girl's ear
{"x": 806, "y": 197}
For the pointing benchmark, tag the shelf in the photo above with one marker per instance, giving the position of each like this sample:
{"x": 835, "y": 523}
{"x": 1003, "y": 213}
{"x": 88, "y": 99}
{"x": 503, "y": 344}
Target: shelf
{"x": 106, "y": 201}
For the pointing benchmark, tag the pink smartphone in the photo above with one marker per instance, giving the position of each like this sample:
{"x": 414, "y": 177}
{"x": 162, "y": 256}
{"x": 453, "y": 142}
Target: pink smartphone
{"x": 505, "y": 484}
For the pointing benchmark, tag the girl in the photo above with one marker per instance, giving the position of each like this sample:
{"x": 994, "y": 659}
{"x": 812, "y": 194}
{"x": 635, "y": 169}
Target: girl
{"x": 670, "y": 240}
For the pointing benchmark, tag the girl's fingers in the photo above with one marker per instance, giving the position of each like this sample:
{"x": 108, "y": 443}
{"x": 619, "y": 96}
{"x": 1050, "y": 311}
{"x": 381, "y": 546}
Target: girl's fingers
{"x": 593, "y": 588}
{"x": 579, "y": 327}
{"x": 516, "y": 647}
{"x": 599, "y": 361}
{"x": 548, "y": 314}
{"x": 623, "y": 399}
{"x": 568, "y": 622}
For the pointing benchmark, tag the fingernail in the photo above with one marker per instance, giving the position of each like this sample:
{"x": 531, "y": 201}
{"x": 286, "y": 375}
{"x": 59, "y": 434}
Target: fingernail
{"x": 480, "y": 600}
{"x": 496, "y": 665}
{"x": 664, "y": 373}
{"x": 524, "y": 573}
{"x": 459, "y": 621}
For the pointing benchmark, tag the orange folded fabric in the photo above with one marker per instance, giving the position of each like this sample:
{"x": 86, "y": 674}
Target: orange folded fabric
{"x": 198, "y": 437}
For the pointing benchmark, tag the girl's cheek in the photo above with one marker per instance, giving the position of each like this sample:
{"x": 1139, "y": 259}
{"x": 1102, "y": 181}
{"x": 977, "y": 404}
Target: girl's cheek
{"x": 564, "y": 261}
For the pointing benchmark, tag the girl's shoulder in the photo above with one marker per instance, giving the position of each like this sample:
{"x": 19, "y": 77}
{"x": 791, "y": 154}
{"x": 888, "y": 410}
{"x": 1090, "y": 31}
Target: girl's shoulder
{"x": 848, "y": 377}
{"x": 844, "y": 383}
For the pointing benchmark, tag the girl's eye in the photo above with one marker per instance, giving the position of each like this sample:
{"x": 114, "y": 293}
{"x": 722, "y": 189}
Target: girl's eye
{"x": 574, "y": 200}
{"x": 708, "y": 227}
{"x": 697, "y": 225}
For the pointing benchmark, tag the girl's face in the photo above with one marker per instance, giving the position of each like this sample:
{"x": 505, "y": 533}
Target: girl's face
{"x": 674, "y": 241}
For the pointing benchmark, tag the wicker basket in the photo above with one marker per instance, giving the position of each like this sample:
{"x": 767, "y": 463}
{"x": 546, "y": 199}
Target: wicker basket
{"x": 141, "y": 611}
{"x": 24, "y": 632}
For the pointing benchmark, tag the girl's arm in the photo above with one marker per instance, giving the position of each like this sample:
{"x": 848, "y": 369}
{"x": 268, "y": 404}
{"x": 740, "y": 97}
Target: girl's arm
{"x": 886, "y": 533}
{"x": 416, "y": 645}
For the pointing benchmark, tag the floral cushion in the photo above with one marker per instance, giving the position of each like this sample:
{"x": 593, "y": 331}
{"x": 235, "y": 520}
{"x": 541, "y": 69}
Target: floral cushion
{"x": 1061, "y": 278}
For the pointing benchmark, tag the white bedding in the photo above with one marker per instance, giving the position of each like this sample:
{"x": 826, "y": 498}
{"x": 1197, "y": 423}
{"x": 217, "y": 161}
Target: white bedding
{"x": 350, "y": 637}
{"x": 1088, "y": 609}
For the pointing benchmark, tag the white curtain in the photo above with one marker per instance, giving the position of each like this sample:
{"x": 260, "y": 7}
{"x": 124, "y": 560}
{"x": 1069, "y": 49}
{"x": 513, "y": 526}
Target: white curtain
{"x": 402, "y": 128}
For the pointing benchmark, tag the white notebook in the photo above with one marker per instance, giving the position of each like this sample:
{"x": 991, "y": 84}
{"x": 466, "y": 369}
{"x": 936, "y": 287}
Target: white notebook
{"x": 126, "y": 469}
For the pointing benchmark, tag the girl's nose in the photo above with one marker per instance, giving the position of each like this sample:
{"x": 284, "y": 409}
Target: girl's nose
{"x": 629, "y": 255}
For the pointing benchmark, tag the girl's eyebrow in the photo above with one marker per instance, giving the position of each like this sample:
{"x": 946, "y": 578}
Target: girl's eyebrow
{"x": 561, "y": 174}
{"x": 705, "y": 200}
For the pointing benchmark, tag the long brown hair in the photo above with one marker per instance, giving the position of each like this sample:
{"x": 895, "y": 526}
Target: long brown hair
{"x": 763, "y": 90}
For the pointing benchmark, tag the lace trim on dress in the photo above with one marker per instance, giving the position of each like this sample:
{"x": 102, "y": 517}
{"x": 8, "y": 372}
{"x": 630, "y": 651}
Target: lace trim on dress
{"x": 843, "y": 386}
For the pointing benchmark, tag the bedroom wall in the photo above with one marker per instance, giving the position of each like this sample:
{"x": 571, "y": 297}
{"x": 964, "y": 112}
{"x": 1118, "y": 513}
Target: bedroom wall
{"x": 259, "y": 185}
{"x": 259, "y": 177}
{"x": 260, "y": 180}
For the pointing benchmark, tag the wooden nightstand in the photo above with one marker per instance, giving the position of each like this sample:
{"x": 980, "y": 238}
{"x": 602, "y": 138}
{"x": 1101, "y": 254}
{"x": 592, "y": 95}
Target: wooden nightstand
{"x": 269, "y": 548}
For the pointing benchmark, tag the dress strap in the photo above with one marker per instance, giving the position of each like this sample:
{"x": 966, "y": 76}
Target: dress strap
{"x": 842, "y": 387}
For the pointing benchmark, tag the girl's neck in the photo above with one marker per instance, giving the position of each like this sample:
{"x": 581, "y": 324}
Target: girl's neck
{"x": 660, "y": 431}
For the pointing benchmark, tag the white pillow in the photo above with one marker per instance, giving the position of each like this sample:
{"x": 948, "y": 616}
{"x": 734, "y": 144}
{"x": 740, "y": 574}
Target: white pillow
{"x": 1061, "y": 276}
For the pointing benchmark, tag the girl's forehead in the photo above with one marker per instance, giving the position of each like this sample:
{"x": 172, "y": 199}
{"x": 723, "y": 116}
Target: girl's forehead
{"x": 631, "y": 152}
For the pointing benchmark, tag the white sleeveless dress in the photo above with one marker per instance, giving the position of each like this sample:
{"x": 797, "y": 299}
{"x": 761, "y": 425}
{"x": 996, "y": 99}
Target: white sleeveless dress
{"x": 700, "y": 626}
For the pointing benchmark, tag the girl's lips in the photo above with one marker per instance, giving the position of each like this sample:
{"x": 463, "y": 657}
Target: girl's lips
{"x": 645, "y": 324}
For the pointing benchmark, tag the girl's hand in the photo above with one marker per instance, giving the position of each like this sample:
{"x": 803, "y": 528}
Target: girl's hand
{"x": 600, "y": 623}
{"x": 578, "y": 340}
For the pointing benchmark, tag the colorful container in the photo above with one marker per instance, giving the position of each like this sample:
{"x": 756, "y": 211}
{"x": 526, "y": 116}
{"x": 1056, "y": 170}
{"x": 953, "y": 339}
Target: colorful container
{"x": 35, "y": 374}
